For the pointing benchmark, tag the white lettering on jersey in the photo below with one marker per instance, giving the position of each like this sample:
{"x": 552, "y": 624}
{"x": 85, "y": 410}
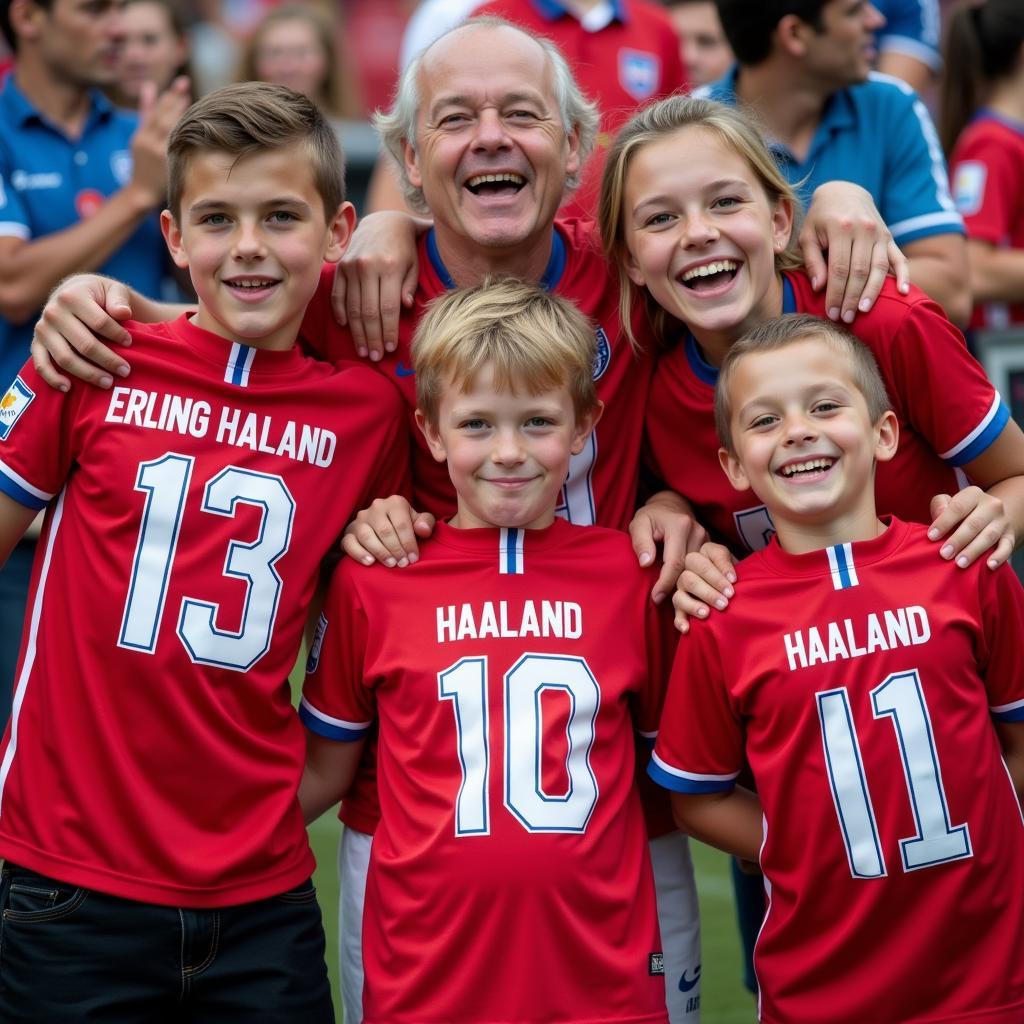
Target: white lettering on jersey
{"x": 175, "y": 414}
{"x": 562, "y": 619}
{"x": 904, "y": 627}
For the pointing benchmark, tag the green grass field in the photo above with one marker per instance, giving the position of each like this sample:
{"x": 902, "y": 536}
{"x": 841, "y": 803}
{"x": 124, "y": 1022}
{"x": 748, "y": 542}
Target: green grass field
{"x": 723, "y": 998}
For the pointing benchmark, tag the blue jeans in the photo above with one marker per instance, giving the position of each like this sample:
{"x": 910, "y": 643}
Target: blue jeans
{"x": 70, "y": 955}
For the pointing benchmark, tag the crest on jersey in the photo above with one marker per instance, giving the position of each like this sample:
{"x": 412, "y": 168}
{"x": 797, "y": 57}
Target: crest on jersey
{"x": 121, "y": 166}
{"x": 639, "y": 73}
{"x": 314, "y": 648}
{"x": 969, "y": 187}
{"x": 604, "y": 354}
{"x": 18, "y": 398}
{"x": 755, "y": 527}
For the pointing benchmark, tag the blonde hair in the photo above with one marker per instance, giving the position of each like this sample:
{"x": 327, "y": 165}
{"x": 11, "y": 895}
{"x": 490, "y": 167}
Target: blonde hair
{"x": 780, "y": 331}
{"x": 398, "y": 125}
{"x": 529, "y": 338}
{"x": 736, "y": 129}
{"x": 256, "y": 117}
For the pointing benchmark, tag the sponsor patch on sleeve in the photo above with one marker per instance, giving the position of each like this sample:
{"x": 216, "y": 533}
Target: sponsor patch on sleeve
{"x": 314, "y": 648}
{"x": 18, "y": 398}
{"x": 969, "y": 187}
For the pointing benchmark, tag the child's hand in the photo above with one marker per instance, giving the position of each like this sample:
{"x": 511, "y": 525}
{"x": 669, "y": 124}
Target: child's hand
{"x": 706, "y": 582}
{"x": 665, "y": 519}
{"x": 979, "y": 522}
{"x": 387, "y": 532}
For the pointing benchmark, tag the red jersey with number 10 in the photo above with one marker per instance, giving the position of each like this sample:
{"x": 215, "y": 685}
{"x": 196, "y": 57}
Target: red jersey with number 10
{"x": 153, "y": 752}
{"x": 509, "y": 876}
{"x": 862, "y": 696}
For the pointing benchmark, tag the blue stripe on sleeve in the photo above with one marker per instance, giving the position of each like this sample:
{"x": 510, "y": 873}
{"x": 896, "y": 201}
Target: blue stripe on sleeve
{"x": 331, "y": 732}
{"x": 981, "y": 443}
{"x": 19, "y": 494}
{"x": 1012, "y": 715}
{"x": 681, "y": 785}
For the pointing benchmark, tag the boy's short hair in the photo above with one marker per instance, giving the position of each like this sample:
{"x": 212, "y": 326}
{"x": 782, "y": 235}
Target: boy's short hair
{"x": 255, "y": 117}
{"x": 785, "y": 330}
{"x": 750, "y": 24}
{"x": 530, "y": 338}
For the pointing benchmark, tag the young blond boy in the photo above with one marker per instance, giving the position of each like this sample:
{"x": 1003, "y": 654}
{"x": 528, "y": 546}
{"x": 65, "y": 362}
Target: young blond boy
{"x": 509, "y": 878}
{"x": 156, "y": 861}
{"x": 859, "y": 677}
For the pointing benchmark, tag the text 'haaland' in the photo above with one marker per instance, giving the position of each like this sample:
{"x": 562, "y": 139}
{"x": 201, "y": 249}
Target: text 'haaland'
{"x": 562, "y": 619}
{"x": 904, "y": 627}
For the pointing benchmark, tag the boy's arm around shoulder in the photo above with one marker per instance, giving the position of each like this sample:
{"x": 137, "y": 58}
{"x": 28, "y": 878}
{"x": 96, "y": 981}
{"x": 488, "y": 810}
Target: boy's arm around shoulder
{"x": 336, "y": 708}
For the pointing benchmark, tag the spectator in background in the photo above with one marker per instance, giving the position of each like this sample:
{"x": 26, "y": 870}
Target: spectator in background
{"x": 294, "y": 45}
{"x": 80, "y": 184}
{"x": 804, "y": 69}
{"x": 702, "y": 44}
{"x": 154, "y": 48}
{"x": 982, "y": 127}
{"x": 908, "y": 43}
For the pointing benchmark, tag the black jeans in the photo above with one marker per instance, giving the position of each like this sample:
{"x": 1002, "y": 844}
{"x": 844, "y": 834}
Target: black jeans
{"x": 70, "y": 955}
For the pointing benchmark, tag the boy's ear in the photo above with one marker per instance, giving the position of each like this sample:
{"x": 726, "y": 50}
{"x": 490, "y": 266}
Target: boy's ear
{"x": 585, "y": 427}
{"x": 172, "y": 236}
{"x": 433, "y": 437}
{"x": 733, "y": 470}
{"x": 339, "y": 232}
{"x": 887, "y": 436}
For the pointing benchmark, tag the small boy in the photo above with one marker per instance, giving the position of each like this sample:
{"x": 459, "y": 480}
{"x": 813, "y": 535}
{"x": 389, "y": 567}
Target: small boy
{"x": 157, "y": 865}
{"x": 875, "y": 692}
{"x": 509, "y": 877}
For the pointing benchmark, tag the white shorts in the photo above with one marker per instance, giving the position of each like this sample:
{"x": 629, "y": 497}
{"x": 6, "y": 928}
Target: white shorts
{"x": 678, "y": 916}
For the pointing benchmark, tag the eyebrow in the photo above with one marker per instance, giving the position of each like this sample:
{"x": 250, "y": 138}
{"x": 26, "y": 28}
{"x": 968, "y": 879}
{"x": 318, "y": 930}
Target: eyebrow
{"x": 207, "y": 205}
{"x": 458, "y": 100}
{"x": 711, "y": 186}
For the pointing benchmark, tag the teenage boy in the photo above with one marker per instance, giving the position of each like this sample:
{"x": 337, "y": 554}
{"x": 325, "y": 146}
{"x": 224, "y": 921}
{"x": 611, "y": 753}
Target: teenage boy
{"x": 877, "y": 695}
{"x": 509, "y": 876}
{"x": 156, "y": 861}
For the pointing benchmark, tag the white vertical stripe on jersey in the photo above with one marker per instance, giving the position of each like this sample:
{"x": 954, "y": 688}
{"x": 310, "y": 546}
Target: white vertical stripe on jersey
{"x": 510, "y": 552}
{"x": 30, "y": 647}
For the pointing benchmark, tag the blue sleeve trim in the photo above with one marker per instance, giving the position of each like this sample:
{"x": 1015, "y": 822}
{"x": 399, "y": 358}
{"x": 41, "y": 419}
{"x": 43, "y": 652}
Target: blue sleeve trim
{"x": 330, "y": 732}
{"x": 680, "y": 785}
{"x": 19, "y": 494}
{"x": 1013, "y": 715}
{"x": 982, "y": 442}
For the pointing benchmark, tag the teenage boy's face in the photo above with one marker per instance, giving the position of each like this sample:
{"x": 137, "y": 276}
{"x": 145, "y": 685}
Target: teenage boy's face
{"x": 804, "y": 441}
{"x": 508, "y": 454}
{"x": 253, "y": 235}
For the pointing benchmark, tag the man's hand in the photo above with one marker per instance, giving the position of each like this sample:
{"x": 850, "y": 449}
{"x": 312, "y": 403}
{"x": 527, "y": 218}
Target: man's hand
{"x": 157, "y": 116}
{"x": 844, "y": 222}
{"x": 706, "y": 583}
{"x": 386, "y": 532}
{"x": 82, "y": 313}
{"x": 979, "y": 522}
{"x": 375, "y": 278}
{"x": 666, "y": 519}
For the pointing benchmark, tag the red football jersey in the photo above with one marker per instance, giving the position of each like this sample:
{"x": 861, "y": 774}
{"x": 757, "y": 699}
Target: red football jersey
{"x": 987, "y": 175}
{"x": 948, "y": 413}
{"x": 153, "y": 752}
{"x": 629, "y": 61}
{"x": 507, "y": 670}
{"x": 862, "y": 697}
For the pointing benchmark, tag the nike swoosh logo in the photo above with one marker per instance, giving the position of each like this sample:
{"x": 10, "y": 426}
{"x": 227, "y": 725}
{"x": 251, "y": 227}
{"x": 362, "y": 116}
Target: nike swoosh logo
{"x": 401, "y": 370}
{"x": 685, "y": 985}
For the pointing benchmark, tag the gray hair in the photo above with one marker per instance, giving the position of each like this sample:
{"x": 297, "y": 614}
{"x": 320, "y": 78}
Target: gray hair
{"x": 398, "y": 124}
